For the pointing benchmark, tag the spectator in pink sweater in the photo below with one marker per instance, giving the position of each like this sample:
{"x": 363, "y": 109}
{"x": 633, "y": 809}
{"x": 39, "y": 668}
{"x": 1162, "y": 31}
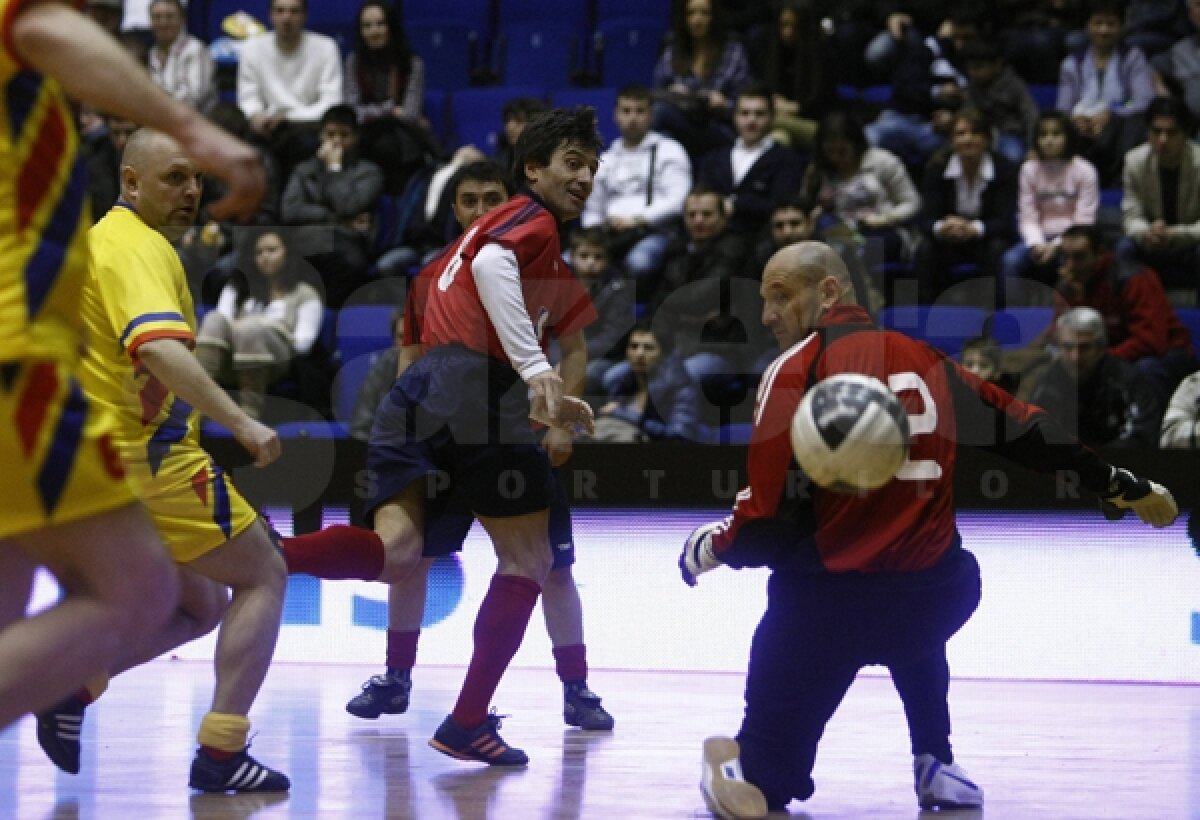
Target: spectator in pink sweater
{"x": 1055, "y": 190}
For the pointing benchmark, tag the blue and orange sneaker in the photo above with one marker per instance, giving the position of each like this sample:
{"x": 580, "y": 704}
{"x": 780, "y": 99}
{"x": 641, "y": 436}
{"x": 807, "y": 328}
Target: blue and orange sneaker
{"x": 483, "y": 743}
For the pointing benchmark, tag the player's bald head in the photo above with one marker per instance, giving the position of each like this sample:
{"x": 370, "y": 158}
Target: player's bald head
{"x": 160, "y": 182}
{"x": 808, "y": 263}
{"x": 146, "y": 145}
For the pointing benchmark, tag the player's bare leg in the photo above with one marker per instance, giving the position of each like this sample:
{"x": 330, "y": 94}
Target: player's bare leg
{"x": 249, "y": 565}
{"x": 563, "y": 611}
{"x": 257, "y": 576}
{"x": 400, "y": 523}
{"x": 202, "y": 603}
{"x": 389, "y": 693}
{"x": 120, "y": 586}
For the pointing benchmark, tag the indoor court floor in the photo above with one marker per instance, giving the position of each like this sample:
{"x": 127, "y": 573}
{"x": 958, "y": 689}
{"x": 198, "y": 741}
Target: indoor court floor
{"x": 1039, "y": 750}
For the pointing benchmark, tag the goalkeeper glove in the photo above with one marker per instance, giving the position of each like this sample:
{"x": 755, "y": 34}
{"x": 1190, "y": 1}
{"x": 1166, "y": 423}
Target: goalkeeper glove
{"x": 698, "y": 557}
{"x": 1151, "y": 502}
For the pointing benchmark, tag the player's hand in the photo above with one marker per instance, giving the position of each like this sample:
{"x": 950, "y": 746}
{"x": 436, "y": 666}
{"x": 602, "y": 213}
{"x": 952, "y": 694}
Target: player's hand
{"x": 545, "y": 396}
{"x": 218, "y": 153}
{"x": 1153, "y": 503}
{"x": 698, "y": 556}
{"x": 559, "y": 444}
{"x": 260, "y": 441}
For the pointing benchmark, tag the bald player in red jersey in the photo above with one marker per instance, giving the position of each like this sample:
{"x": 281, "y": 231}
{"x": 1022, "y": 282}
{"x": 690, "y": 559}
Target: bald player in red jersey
{"x": 878, "y": 577}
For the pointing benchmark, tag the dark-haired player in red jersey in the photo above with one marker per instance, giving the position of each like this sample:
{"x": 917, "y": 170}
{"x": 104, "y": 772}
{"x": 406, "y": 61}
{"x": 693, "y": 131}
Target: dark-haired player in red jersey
{"x": 461, "y": 411}
{"x": 873, "y": 578}
{"x": 477, "y": 189}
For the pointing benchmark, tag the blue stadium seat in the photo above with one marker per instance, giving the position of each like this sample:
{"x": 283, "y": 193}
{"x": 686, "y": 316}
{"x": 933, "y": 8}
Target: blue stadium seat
{"x": 1046, "y": 96}
{"x": 1016, "y": 327}
{"x": 313, "y": 429}
{"x": 604, "y": 100}
{"x": 476, "y": 115}
{"x": 574, "y": 14}
{"x": 608, "y": 11}
{"x": 476, "y": 15}
{"x": 335, "y": 19}
{"x": 627, "y": 51}
{"x": 363, "y": 329}
{"x": 434, "y": 107}
{"x": 945, "y": 327}
{"x": 1191, "y": 320}
{"x": 537, "y": 54}
{"x": 448, "y": 50}
{"x": 1111, "y": 198}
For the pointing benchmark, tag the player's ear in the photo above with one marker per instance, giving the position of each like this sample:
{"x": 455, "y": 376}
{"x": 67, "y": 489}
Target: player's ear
{"x": 129, "y": 182}
{"x": 830, "y": 291}
{"x": 532, "y": 169}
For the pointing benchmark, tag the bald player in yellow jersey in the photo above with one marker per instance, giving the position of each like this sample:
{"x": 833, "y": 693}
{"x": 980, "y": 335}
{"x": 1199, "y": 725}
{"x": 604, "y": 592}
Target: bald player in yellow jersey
{"x": 139, "y": 364}
{"x": 64, "y": 504}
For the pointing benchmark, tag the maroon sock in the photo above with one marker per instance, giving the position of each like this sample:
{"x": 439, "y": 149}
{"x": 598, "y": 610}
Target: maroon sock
{"x": 85, "y": 695}
{"x": 336, "y": 552}
{"x": 499, "y": 628}
{"x": 402, "y": 649}
{"x": 571, "y": 663}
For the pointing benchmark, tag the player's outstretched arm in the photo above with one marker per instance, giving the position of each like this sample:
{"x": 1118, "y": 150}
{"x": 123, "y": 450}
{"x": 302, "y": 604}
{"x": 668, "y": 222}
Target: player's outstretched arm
{"x": 94, "y": 68}
{"x": 175, "y": 366}
{"x": 1152, "y": 502}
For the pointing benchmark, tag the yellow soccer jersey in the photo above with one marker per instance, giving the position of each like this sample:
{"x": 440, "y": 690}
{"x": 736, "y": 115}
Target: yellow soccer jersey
{"x": 44, "y": 215}
{"x": 135, "y": 292}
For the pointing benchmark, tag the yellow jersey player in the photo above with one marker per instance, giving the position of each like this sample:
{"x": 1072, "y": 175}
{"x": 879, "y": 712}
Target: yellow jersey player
{"x": 63, "y": 502}
{"x": 138, "y": 364}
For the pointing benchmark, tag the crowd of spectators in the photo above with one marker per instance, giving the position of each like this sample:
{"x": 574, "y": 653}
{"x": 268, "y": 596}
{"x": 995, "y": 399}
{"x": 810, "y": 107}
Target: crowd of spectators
{"x": 947, "y": 184}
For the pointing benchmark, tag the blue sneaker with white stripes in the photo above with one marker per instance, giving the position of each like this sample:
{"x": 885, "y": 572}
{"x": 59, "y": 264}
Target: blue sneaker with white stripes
{"x": 241, "y": 773}
{"x": 944, "y": 785}
{"x": 58, "y": 732}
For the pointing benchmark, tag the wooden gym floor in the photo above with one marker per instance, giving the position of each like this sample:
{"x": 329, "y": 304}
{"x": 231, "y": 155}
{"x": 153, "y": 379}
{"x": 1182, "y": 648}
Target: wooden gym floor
{"x": 1040, "y": 750}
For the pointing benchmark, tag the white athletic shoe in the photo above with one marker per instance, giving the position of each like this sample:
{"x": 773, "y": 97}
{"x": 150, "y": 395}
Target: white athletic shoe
{"x": 939, "y": 786}
{"x": 726, "y": 792}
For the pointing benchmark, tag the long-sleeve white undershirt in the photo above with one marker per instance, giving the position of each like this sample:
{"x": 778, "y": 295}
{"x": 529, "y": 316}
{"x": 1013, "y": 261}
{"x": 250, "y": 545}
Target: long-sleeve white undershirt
{"x": 498, "y": 280}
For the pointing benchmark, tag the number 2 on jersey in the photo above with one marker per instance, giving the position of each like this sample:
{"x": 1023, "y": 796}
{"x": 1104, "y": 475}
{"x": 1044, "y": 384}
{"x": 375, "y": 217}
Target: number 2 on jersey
{"x": 920, "y": 424}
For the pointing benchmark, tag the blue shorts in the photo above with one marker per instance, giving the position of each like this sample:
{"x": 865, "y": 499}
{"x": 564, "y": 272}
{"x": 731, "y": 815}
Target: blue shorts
{"x": 448, "y": 519}
{"x": 458, "y": 421}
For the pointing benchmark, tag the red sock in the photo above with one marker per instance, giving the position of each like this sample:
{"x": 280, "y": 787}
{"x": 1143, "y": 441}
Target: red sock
{"x": 337, "y": 552}
{"x": 499, "y": 628}
{"x": 85, "y": 695}
{"x": 402, "y": 649}
{"x": 571, "y": 663}
{"x": 219, "y": 755}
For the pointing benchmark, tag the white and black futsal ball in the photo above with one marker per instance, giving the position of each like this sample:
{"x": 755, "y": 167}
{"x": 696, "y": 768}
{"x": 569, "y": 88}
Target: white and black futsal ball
{"x": 850, "y": 433}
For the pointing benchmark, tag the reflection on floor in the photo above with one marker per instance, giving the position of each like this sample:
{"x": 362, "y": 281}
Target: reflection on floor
{"x": 1040, "y": 750}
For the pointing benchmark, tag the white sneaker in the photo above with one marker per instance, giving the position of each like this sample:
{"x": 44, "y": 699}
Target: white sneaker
{"x": 726, "y": 792}
{"x": 941, "y": 786}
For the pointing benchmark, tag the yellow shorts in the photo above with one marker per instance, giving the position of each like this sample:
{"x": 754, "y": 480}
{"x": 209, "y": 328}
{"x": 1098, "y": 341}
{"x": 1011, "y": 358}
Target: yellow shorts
{"x": 57, "y": 459}
{"x": 192, "y": 502}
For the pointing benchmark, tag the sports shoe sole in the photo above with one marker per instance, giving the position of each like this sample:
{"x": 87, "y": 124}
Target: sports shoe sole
{"x": 457, "y": 755}
{"x": 725, "y": 793}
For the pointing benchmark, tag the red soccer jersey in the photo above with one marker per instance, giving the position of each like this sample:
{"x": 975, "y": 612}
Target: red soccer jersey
{"x": 554, "y": 299}
{"x": 418, "y": 295}
{"x": 908, "y": 523}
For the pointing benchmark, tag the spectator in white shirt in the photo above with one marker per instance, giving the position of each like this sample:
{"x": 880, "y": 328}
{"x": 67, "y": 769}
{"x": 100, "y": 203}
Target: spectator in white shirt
{"x": 179, "y": 63}
{"x": 639, "y": 190}
{"x": 287, "y": 78}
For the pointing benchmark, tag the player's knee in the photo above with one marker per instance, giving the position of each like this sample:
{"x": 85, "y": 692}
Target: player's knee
{"x": 148, "y": 595}
{"x": 205, "y": 603}
{"x": 533, "y": 563}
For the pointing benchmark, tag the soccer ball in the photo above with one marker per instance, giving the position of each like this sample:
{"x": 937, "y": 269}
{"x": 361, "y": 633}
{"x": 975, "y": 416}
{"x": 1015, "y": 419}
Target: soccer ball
{"x": 850, "y": 433}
